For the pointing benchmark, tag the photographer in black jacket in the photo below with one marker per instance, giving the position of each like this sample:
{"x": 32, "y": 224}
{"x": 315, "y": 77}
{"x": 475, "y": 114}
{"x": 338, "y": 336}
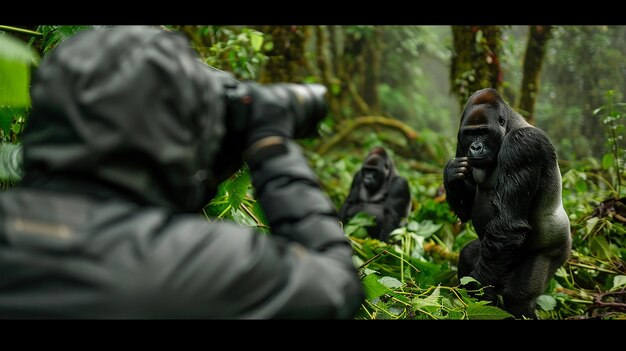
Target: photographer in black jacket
{"x": 128, "y": 138}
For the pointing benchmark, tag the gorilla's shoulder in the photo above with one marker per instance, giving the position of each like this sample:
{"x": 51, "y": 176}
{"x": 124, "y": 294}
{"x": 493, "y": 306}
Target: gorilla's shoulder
{"x": 526, "y": 144}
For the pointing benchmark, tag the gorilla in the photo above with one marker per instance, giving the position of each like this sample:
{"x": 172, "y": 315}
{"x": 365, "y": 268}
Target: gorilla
{"x": 506, "y": 179}
{"x": 378, "y": 190}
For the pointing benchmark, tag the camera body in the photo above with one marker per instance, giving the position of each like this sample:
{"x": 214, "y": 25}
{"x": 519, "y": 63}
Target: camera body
{"x": 301, "y": 106}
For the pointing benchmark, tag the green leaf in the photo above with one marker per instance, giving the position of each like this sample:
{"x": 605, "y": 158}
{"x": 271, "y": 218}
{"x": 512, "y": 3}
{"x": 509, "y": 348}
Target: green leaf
{"x": 390, "y": 282}
{"x": 478, "y": 311}
{"x": 362, "y": 219}
{"x": 373, "y": 288}
{"x": 15, "y": 60}
{"x": 53, "y": 35}
{"x": 413, "y": 226}
{"x": 619, "y": 281}
{"x": 546, "y": 302}
{"x": 256, "y": 40}
{"x": 600, "y": 247}
{"x": 242, "y": 218}
{"x": 237, "y": 187}
{"x": 433, "y": 300}
{"x": 467, "y": 279}
{"x": 357, "y": 232}
{"x": 428, "y": 228}
{"x": 591, "y": 223}
{"x": 607, "y": 161}
{"x": 13, "y": 49}
{"x": 356, "y": 224}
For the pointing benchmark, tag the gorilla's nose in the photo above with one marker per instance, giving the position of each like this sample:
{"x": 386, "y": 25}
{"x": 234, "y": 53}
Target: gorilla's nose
{"x": 476, "y": 148}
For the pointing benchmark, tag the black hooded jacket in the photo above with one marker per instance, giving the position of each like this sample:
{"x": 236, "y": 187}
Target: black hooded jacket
{"x": 119, "y": 154}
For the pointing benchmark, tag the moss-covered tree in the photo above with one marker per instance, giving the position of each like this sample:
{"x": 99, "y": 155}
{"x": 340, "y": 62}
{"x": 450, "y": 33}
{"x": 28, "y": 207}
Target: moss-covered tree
{"x": 475, "y": 60}
{"x": 535, "y": 52}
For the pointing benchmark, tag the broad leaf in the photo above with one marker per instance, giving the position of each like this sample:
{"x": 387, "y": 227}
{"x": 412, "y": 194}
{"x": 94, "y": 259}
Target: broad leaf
{"x": 591, "y": 223}
{"x": 237, "y": 187}
{"x": 467, "y": 279}
{"x": 434, "y": 299}
{"x": 356, "y": 225}
{"x": 478, "y": 311}
{"x": 390, "y": 282}
{"x": 256, "y": 40}
{"x": 601, "y": 247}
{"x": 619, "y": 281}
{"x": 428, "y": 228}
{"x": 15, "y": 60}
{"x": 546, "y": 302}
{"x": 373, "y": 288}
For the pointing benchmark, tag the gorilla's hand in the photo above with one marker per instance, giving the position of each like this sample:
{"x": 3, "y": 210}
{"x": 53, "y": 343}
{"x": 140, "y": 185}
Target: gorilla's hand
{"x": 271, "y": 114}
{"x": 458, "y": 169}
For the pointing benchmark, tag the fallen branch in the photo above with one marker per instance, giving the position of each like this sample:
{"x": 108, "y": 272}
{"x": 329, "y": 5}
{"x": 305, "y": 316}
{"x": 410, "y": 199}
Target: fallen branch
{"x": 349, "y": 125}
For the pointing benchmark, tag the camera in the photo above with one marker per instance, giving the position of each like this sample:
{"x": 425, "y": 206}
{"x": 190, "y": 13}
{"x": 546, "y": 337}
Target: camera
{"x": 305, "y": 102}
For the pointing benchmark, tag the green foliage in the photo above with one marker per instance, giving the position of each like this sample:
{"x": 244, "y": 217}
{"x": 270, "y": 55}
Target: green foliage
{"x": 581, "y": 64}
{"x": 480, "y": 311}
{"x": 237, "y": 50}
{"x": 53, "y": 35}
{"x": 15, "y": 60}
{"x": 411, "y": 89}
{"x": 234, "y": 201}
{"x": 614, "y": 159}
{"x": 357, "y": 225}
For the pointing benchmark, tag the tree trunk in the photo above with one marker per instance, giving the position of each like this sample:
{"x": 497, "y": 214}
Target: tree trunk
{"x": 535, "y": 51}
{"x": 287, "y": 59}
{"x": 475, "y": 60}
{"x": 373, "y": 54}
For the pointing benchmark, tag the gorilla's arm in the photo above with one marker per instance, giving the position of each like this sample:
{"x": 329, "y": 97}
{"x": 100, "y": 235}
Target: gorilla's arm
{"x": 521, "y": 159}
{"x": 353, "y": 197}
{"x": 396, "y": 206}
{"x": 460, "y": 187}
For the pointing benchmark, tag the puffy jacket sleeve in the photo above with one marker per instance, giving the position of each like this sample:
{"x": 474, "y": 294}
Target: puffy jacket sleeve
{"x": 302, "y": 270}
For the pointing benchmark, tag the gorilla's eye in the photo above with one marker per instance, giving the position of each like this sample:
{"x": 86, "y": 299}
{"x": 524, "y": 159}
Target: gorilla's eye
{"x": 501, "y": 120}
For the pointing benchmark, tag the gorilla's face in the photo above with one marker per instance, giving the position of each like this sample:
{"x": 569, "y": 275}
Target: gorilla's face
{"x": 481, "y": 134}
{"x": 373, "y": 178}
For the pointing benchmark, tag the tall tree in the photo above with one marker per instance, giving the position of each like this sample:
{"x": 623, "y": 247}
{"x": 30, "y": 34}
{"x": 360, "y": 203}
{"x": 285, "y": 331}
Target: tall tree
{"x": 533, "y": 59}
{"x": 475, "y": 60}
{"x": 287, "y": 61}
{"x": 349, "y": 61}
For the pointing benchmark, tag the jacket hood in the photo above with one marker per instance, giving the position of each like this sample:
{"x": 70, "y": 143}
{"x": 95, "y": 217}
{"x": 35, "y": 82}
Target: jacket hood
{"x": 131, "y": 109}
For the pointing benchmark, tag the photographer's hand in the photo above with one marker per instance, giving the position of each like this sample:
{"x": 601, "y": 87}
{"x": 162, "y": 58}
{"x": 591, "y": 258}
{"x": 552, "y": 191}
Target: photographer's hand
{"x": 271, "y": 114}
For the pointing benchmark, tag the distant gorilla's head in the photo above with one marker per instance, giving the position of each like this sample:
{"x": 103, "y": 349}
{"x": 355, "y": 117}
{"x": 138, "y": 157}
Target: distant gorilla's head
{"x": 376, "y": 169}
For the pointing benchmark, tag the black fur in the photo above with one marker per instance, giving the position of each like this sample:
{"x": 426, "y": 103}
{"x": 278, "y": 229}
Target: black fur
{"x": 388, "y": 197}
{"x": 506, "y": 179}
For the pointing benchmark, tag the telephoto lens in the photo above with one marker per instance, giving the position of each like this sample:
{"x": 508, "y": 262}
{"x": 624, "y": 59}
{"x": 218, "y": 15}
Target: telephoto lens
{"x": 305, "y": 102}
